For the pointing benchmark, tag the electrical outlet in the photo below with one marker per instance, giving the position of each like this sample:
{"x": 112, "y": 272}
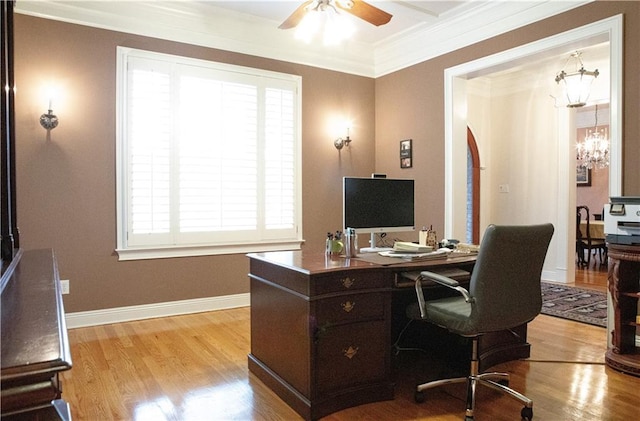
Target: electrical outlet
{"x": 65, "y": 286}
{"x": 503, "y": 188}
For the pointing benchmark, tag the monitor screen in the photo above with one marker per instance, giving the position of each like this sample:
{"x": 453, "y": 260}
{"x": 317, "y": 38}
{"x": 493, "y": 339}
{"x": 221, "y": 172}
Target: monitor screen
{"x": 373, "y": 205}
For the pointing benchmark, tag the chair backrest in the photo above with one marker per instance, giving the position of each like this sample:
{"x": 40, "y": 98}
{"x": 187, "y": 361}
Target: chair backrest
{"x": 582, "y": 214}
{"x": 505, "y": 281}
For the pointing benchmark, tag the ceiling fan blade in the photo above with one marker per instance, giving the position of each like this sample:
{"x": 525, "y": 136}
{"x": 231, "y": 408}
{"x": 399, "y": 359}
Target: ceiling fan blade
{"x": 365, "y": 11}
{"x": 294, "y": 19}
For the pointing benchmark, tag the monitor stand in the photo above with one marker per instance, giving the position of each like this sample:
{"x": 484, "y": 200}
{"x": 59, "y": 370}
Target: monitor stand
{"x": 374, "y": 249}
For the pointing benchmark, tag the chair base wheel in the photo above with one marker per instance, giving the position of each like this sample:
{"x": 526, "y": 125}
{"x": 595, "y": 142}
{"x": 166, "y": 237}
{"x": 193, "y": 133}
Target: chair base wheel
{"x": 419, "y": 397}
{"x": 527, "y": 413}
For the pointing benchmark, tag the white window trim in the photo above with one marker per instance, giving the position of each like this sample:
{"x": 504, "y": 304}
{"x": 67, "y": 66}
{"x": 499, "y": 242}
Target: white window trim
{"x": 126, "y": 252}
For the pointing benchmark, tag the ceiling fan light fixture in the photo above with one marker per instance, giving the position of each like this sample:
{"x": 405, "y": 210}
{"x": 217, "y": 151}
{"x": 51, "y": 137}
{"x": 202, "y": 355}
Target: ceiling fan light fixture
{"x": 333, "y": 18}
{"x": 309, "y": 26}
{"x": 337, "y": 28}
{"x": 324, "y": 17}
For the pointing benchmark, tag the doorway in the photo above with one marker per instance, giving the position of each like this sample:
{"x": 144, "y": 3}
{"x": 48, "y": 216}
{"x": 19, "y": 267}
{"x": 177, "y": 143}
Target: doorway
{"x": 528, "y": 197}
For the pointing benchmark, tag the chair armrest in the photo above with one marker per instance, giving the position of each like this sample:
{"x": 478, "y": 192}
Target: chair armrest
{"x": 418, "y": 277}
{"x": 447, "y": 282}
{"x": 441, "y": 279}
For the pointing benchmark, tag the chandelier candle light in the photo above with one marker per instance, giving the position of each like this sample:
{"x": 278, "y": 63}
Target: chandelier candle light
{"x": 594, "y": 150}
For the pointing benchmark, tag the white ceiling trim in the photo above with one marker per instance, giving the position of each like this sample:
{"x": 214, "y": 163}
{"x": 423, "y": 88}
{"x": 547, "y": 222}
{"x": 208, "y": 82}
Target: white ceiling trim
{"x": 481, "y": 23}
{"x": 186, "y": 22}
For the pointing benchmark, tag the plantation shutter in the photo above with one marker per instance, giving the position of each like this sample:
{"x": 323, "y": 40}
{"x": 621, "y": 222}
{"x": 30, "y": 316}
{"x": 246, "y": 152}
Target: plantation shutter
{"x": 150, "y": 135}
{"x": 211, "y": 156}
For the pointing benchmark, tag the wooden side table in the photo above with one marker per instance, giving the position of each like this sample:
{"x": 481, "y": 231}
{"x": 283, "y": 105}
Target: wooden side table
{"x": 35, "y": 347}
{"x": 624, "y": 286}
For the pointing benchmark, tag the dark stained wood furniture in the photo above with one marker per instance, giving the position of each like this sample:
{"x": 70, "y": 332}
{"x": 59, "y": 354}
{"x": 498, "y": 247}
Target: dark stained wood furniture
{"x": 624, "y": 286}
{"x": 35, "y": 347}
{"x": 321, "y": 327}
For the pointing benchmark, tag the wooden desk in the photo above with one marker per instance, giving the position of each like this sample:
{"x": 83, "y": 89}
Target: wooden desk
{"x": 321, "y": 328}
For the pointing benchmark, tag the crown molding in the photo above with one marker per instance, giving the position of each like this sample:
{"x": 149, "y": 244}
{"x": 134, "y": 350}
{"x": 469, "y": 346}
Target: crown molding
{"x": 191, "y": 23}
{"x": 458, "y": 31}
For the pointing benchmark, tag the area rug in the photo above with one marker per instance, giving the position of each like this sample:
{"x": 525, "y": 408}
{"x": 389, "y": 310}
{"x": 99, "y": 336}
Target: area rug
{"x": 580, "y": 305}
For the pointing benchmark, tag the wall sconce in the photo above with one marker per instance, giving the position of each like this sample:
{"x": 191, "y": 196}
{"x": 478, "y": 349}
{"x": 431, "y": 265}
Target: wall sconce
{"x": 339, "y": 143}
{"x": 49, "y": 120}
{"x": 578, "y": 83}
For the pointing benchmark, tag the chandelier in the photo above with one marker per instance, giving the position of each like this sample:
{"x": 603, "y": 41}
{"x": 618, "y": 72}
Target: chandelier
{"x": 594, "y": 150}
{"x": 576, "y": 84}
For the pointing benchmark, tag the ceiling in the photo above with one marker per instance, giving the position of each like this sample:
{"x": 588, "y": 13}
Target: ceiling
{"x": 407, "y": 15}
{"x": 418, "y": 30}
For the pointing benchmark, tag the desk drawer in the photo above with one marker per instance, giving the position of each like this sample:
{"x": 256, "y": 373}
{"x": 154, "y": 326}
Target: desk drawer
{"x": 349, "y": 281}
{"x": 351, "y": 308}
{"x": 351, "y": 354}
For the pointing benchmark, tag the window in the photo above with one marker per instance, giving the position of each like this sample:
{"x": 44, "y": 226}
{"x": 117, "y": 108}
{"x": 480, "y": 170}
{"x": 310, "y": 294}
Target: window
{"x": 208, "y": 157}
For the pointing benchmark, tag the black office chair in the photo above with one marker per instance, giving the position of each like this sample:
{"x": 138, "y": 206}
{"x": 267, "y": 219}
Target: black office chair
{"x": 504, "y": 292}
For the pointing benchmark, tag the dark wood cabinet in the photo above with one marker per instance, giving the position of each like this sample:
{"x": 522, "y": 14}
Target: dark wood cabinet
{"x": 321, "y": 329}
{"x": 624, "y": 287}
{"x": 35, "y": 348}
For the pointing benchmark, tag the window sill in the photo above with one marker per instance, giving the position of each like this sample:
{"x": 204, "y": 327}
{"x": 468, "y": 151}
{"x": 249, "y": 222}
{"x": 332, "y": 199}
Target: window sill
{"x": 192, "y": 251}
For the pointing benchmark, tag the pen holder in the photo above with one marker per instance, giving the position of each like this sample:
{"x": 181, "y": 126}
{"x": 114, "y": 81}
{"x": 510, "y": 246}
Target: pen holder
{"x": 334, "y": 247}
{"x": 350, "y": 243}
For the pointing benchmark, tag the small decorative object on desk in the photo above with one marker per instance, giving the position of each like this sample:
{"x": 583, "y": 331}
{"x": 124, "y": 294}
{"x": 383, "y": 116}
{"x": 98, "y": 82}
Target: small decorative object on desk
{"x": 334, "y": 244}
{"x": 422, "y": 236}
{"x": 449, "y": 243}
{"x": 432, "y": 238}
{"x": 467, "y": 248}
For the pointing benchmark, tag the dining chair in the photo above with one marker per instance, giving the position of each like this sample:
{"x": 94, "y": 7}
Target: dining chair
{"x": 584, "y": 242}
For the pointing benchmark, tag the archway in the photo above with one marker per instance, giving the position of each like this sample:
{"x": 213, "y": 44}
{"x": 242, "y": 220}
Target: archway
{"x": 473, "y": 192}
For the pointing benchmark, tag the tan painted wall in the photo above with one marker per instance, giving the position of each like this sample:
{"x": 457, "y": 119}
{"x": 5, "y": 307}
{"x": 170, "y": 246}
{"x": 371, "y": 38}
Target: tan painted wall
{"x": 410, "y": 102}
{"x": 66, "y": 185}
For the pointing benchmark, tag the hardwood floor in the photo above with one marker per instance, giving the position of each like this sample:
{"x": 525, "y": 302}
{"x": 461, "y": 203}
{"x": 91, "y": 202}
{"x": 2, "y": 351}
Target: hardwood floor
{"x": 593, "y": 276}
{"x": 194, "y": 367}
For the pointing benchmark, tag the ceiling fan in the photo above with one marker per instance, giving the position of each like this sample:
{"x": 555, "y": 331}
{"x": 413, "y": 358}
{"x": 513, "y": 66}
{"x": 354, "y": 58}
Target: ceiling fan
{"x": 358, "y": 8}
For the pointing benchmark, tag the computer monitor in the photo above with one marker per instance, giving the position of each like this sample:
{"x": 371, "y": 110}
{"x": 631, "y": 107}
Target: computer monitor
{"x": 378, "y": 205}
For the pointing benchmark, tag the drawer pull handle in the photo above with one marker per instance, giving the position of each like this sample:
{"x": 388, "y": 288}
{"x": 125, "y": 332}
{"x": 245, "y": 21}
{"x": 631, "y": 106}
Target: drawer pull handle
{"x": 348, "y": 306}
{"x": 347, "y": 282}
{"x": 350, "y": 352}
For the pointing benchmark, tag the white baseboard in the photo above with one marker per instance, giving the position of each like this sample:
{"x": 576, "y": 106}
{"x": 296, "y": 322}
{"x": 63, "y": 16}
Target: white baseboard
{"x": 149, "y": 311}
{"x": 559, "y": 276}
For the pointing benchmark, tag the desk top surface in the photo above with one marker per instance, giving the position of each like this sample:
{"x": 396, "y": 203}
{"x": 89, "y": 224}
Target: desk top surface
{"x": 318, "y": 262}
{"x": 34, "y": 335}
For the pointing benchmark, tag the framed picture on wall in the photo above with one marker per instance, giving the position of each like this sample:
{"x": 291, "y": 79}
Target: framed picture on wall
{"x": 405, "y": 154}
{"x": 583, "y": 176}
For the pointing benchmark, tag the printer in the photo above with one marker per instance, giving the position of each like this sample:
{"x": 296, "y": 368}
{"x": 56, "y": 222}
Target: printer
{"x": 622, "y": 220}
